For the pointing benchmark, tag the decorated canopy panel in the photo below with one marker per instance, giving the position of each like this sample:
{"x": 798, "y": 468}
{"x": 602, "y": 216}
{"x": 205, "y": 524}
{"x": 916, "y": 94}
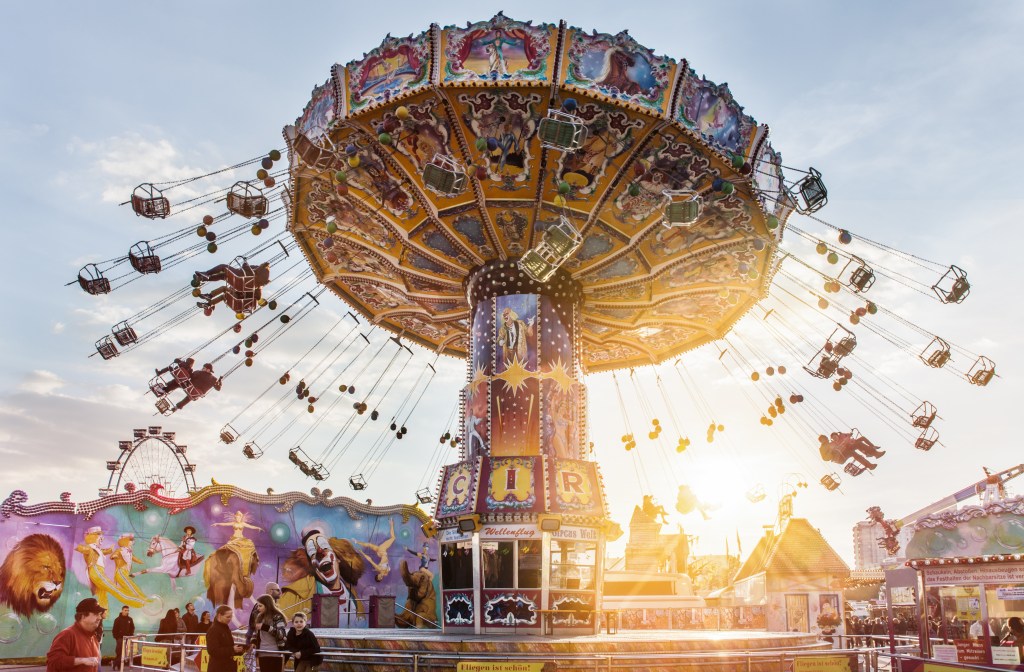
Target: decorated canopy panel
{"x": 423, "y": 161}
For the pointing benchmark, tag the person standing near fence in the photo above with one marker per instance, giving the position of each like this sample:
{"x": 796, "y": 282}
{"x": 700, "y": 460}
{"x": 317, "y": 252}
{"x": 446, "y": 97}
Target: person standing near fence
{"x": 303, "y": 645}
{"x": 220, "y": 644}
{"x": 75, "y": 648}
{"x": 124, "y": 626}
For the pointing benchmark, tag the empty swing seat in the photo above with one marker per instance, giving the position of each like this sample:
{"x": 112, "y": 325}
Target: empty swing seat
{"x": 862, "y": 278}
{"x": 845, "y": 346}
{"x": 124, "y": 333}
{"x": 830, "y": 481}
{"x": 854, "y": 469}
{"x": 927, "y": 439}
{"x": 149, "y": 202}
{"x": 228, "y": 434}
{"x": 143, "y": 258}
{"x": 424, "y": 496}
{"x": 923, "y": 416}
{"x": 164, "y": 407}
{"x": 105, "y": 346}
{"x": 562, "y": 131}
{"x": 683, "y": 209}
{"x": 311, "y": 152}
{"x": 444, "y": 176}
{"x": 91, "y": 279}
{"x": 557, "y": 244}
{"x": 247, "y": 200}
{"x": 813, "y": 195}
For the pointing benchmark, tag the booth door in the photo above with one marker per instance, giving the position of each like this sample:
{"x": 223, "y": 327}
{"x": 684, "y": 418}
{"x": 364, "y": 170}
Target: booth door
{"x": 796, "y": 613}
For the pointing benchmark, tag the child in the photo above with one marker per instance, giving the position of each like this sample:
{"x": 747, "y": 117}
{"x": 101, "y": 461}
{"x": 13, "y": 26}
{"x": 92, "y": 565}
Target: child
{"x": 302, "y": 643}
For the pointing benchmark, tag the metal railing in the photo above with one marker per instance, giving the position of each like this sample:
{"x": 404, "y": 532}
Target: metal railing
{"x": 142, "y": 654}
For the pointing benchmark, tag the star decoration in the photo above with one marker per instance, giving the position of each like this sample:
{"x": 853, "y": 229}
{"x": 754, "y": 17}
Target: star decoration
{"x": 479, "y": 378}
{"x": 561, "y": 377}
{"x": 515, "y": 376}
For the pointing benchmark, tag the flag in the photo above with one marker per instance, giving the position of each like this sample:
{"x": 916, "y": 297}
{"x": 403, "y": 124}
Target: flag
{"x": 739, "y": 546}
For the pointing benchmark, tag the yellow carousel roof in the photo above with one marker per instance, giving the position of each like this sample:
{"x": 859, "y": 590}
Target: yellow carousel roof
{"x": 399, "y": 251}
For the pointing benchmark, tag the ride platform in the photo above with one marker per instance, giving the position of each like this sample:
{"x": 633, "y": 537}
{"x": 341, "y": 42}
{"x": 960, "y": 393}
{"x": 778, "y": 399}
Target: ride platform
{"x": 640, "y": 650}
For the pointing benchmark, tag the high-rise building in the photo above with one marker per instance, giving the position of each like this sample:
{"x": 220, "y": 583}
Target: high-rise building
{"x": 867, "y": 553}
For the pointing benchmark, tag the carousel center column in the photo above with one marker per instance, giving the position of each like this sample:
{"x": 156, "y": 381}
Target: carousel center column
{"x": 522, "y": 514}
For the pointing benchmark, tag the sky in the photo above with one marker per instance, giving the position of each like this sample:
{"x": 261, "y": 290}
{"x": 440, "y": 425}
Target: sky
{"x": 906, "y": 108}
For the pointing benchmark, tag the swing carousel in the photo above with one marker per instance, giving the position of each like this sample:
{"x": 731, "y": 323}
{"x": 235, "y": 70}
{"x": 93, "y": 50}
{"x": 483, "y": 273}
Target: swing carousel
{"x": 544, "y": 203}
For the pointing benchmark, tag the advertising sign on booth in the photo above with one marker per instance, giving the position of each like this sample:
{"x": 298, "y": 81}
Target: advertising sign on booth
{"x": 155, "y": 656}
{"x": 971, "y": 651}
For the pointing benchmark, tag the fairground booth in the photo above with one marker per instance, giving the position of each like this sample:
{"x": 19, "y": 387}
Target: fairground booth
{"x": 970, "y": 576}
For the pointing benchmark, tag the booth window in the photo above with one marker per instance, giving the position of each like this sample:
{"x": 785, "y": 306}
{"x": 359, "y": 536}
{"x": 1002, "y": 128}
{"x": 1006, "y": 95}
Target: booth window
{"x": 457, "y": 565}
{"x": 499, "y": 563}
{"x": 529, "y": 564}
{"x": 573, "y": 564}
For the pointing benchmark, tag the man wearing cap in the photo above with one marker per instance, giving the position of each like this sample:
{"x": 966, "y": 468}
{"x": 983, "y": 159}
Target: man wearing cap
{"x": 75, "y": 648}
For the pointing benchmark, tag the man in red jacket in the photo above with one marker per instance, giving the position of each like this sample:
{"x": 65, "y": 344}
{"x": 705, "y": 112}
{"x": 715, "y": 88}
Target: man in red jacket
{"x": 75, "y": 648}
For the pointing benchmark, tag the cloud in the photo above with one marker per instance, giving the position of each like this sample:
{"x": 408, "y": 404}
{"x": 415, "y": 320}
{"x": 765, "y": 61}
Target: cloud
{"x": 58, "y": 327}
{"x": 118, "y": 164}
{"x": 42, "y": 382}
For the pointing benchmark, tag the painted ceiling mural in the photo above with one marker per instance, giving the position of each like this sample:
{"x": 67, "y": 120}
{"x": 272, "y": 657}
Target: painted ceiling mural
{"x": 472, "y": 99}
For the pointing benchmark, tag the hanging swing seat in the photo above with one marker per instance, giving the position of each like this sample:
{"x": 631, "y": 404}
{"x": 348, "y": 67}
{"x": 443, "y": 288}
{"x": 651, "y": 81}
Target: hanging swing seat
{"x": 557, "y": 244}
{"x": 927, "y": 439}
{"x": 228, "y": 434}
{"x": 143, "y": 258}
{"x": 831, "y": 481}
{"x": 357, "y": 482}
{"x": 683, "y": 208}
{"x": 424, "y": 496}
{"x": 165, "y": 407}
{"x": 562, "y": 131}
{"x": 242, "y": 289}
{"x": 105, "y": 346}
{"x": 924, "y": 415}
{"x": 826, "y": 366}
{"x": 316, "y": 152}
{"x": 854, "y": 469}
{"x": 812, "y": 193}
{"x": 252, "y": 451}
{"x": 981, "y": 372}
{"x": 844, "y": 346}
{"x": 952, "y": 287}
{"x": 91, "y": 279}
{"x": 124, "y": 334}
{"x": 756, "y": 494}
{"x": 862, "y": 277}
{"x": 247, "y": 200}
{"x": 444, "y": 176}
{"x": 936, "y": 354}
{"x": 149, "y": 202}
{"x": 158, "y": 385}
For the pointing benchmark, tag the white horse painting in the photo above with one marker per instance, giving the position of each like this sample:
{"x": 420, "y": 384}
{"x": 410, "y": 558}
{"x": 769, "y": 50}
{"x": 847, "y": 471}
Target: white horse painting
{"x": 168, "y": 552}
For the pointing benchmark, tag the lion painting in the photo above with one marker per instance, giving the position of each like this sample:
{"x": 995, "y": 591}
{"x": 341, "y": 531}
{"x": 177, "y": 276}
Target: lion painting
{"x": 32, "y": 576}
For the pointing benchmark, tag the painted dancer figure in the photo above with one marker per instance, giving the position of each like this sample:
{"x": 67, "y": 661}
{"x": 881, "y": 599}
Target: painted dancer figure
{"x": 382, "y": 567}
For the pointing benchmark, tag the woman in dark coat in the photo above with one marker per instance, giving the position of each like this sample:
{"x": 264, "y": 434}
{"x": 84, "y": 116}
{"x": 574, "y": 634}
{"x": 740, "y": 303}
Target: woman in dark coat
{"x": 168, "y": 630}
{"x": 220, "y": 644}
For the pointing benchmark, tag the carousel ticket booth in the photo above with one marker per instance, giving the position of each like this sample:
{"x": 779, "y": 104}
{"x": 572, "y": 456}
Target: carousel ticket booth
{"x": 970, "y": 566}
{"x": 521, "y": 519}
{"x": 968, "y": 603}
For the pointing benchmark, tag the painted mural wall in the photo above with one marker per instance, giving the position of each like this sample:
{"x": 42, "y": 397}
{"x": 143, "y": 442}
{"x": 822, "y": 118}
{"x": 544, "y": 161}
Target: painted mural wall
{"x": 219, "y": 545}
{"x": 986, "y": 529}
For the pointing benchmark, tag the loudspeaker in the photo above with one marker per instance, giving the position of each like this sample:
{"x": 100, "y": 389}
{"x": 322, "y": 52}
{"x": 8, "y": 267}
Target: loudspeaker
{"x": 382, "y": 611}
{"x": 325, "y": 611}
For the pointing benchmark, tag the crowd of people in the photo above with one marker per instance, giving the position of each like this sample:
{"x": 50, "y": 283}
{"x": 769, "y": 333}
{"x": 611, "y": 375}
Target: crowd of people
{"x": 267, "y": 643}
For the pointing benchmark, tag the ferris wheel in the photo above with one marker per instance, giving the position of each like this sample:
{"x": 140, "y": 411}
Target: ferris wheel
{"x": 151, "y": 457}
